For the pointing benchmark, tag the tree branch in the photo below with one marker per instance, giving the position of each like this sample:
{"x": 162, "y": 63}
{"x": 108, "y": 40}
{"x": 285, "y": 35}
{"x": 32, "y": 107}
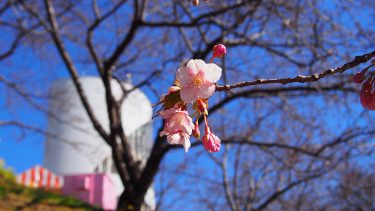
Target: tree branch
{"x": 279, "y": 193}
{"x": 126, "y": 41}
{"x": 54, "y": 32}
{"x": 300, "y": 78}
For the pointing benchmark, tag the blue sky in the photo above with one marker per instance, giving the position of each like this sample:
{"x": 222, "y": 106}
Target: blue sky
{"x": 22, "y": 151}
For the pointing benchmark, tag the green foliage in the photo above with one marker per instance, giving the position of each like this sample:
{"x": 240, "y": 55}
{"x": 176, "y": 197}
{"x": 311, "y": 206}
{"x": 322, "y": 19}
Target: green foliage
{"x": 6, "y": 174}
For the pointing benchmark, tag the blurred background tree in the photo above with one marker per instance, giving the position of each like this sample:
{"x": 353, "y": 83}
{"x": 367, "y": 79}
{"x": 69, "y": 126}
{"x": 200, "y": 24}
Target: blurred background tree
{"x": 286, "y": 147}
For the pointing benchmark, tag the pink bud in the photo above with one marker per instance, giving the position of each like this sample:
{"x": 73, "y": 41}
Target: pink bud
{"x": 219, "y": 51}
{"x": 359, "y": 77}
{"x": 196, "y": 132}
{"x": 367, "y": 95}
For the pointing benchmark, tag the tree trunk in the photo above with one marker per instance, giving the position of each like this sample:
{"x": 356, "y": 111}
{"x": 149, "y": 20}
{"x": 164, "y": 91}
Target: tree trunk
{"x": 129, "y": 202}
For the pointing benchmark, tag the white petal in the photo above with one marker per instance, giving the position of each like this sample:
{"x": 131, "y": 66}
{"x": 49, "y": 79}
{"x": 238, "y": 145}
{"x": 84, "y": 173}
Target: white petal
{"x": 186, "y": 126}
{"x": 212, "y": 72}
{"x": 206, "y": 91}
{"x": 196, "y": 65}
{"x": 186, "y": 144}
{"x": 184, "y": 76}
{"x": 188, "y": 95}
{"x": 174, "y": 138}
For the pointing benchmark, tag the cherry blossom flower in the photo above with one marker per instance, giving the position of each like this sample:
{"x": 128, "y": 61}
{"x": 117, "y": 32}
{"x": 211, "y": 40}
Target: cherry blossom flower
{"x": 194, "y": 83}
{"x": 197, "y": 80}
{"x": 219, "y": 51}
{"x": 178, "y": 126}
{"x": 210, "y": 141}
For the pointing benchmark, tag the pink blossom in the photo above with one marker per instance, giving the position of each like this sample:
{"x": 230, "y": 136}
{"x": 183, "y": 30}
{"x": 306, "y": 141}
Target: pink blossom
{"x": 219, "y": 51}
{"x": 211, "y": 142}
{"x": 176, "y": 120}
{"x": 178, "y": 126}
{"x": 197, "y": 80}
{"x": 179, "y": 138}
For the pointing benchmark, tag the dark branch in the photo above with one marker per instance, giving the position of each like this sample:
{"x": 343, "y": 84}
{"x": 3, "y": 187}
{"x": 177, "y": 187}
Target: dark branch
{"x": 72, "y": 69}
{"x": 300, "y": 78}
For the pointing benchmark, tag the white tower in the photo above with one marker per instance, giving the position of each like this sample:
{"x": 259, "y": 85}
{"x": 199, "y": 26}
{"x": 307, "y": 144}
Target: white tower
{"x": 74, "y": 147}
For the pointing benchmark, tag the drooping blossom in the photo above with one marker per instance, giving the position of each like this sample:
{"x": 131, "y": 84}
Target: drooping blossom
{"x": 178, "y": 126}
{"x": 219, "y": 51}
{"x": 210, "y": 141}
{"x": 197, "y": 80}
{"x": 177, "y": 120}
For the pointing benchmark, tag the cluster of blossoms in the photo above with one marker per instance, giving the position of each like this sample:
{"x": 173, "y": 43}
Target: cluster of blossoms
{"x": 367, "y": 79}
{"x": 194, "y": 84}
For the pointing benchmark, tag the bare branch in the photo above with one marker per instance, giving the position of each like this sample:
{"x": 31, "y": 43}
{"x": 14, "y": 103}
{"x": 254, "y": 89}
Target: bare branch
{"x": 302, "y": 79}
{"x": 72, "y": 69}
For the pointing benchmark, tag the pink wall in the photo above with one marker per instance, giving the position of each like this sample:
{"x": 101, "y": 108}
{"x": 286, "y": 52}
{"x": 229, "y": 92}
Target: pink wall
{"x": 95, "y": 189}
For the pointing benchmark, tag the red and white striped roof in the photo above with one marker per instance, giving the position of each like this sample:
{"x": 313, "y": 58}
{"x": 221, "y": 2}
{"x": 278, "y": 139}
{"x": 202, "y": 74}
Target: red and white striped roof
{"x": 39, "y": 177}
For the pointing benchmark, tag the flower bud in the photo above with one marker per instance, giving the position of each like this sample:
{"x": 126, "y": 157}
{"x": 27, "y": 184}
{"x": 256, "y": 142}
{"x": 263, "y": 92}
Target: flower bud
{"x": 219, "y": 51}
{"x": 196, "y": 132}
{"x": 195, "y": 2}
{"x": 367, "y": 96}
{"x": 359, "y": 77}
{"x": 202, "y": 106}
{"x": 173, "y": 89}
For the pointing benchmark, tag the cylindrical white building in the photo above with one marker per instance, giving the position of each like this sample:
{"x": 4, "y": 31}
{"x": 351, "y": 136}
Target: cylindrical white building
{"x": 74, "y": 147}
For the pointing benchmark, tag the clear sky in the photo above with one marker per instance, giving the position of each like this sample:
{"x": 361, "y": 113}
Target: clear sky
{"x": 22, "y": 151}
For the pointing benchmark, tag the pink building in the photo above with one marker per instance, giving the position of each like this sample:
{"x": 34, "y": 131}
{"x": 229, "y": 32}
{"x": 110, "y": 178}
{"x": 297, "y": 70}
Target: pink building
{"x": 95, "y": 189}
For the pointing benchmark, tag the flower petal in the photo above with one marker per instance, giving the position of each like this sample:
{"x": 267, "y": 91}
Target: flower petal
{"x": 163, "y": 133}
{"x": 174, "y": 138}
{"x": 186, "y": 142}
{"x": 206, "y": 90}
{"x": 196, "y": 65}
{"x": 185, "y": 75}
{"x": 189, "y": 95}
{"x": 212, "y": 72}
